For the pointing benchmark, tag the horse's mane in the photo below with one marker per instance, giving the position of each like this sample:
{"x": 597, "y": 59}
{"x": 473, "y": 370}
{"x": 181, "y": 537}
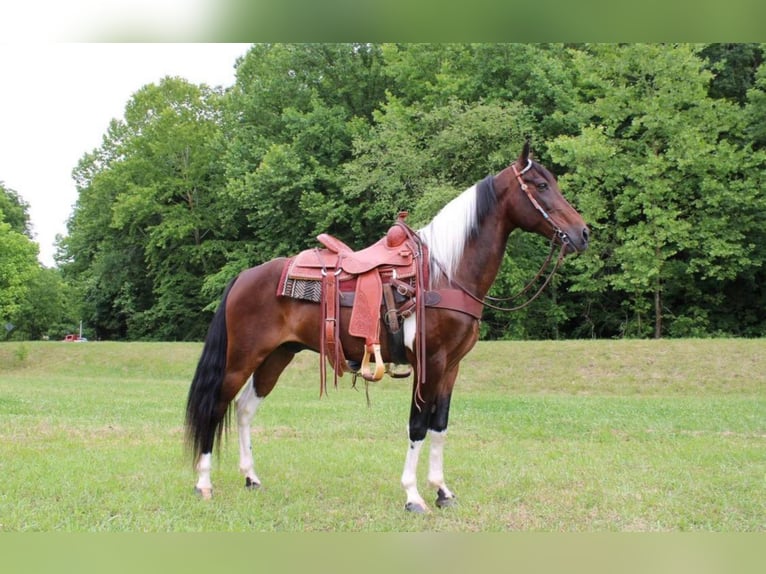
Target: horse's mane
{"x": 448, "y": 233}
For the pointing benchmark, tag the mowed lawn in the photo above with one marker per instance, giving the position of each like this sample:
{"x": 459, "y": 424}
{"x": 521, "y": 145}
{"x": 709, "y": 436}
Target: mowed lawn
{"x": 663, "y": 435}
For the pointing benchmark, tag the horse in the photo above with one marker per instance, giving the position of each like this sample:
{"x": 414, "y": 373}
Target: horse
{"x": 254, "y": 334}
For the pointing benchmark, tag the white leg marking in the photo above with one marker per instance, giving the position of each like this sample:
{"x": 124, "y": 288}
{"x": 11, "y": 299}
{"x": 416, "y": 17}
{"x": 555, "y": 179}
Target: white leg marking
{"x": 204, "y": 485}
{"x": 247, "y": 404}
{"x": 410, "y": 324}
{"x": 409, "y": 475}
{"x": 436, "y": 463}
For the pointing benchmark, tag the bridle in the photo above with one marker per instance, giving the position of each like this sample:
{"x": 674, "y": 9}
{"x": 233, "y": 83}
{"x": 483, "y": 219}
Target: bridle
{"x": 558, "y": 235}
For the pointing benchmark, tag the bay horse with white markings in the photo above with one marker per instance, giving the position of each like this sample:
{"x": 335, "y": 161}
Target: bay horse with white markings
{"x": 255, "y": 333}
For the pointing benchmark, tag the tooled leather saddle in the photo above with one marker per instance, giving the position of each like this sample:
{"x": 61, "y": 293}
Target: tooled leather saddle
{"x": 383, "y": 283}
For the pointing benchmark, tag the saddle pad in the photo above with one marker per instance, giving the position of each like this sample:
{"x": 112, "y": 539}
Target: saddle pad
{"x": 306, "y": 290}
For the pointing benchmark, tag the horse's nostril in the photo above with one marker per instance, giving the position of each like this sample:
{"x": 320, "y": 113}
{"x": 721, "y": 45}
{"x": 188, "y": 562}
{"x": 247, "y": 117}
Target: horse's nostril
{"x": 585, "y": 234}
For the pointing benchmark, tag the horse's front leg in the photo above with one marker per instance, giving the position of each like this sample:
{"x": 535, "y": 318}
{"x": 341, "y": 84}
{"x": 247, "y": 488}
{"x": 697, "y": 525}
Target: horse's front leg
{"x": 437, "y": 430}
{"x": 431, "y": 418}
{"x": 415, "y": 502}
{"x": 444, "y": 496}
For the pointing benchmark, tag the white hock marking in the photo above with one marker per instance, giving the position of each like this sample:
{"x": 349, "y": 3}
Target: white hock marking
{"x": 247, "y": 404}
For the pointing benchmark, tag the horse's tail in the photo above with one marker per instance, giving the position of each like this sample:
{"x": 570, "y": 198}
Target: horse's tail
{"x": 202, "y": 424}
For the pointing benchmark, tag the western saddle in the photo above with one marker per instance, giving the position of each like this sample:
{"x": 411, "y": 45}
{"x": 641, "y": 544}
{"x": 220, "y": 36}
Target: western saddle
{"x": 383, "y": 283}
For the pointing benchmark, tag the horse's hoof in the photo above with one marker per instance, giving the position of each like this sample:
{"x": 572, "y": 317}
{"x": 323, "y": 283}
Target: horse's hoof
{"x": 415, "y": 508}
{"x": 251, "y": 484}
{"x": 204, "y": 493}
{"x": 443, "y": 501}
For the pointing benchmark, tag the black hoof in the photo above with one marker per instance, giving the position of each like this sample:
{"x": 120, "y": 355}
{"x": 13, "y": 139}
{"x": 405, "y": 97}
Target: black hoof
{"x": 250, "y": 484}
{"x": 415, "y": 508}
{"x": 443, "y": 501}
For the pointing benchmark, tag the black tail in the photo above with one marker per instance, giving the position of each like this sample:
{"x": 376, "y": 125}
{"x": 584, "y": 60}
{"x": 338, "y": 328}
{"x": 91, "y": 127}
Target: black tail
{"x": 202, "y": 424}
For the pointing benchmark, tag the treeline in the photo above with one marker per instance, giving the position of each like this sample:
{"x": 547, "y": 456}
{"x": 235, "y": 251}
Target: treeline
{"x": 34, "y": 301}
{"x": 662, "y": 148}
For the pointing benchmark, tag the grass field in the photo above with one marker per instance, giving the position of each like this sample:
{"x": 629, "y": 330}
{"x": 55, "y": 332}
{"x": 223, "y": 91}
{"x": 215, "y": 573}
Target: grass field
{"x": 554, "y": 436}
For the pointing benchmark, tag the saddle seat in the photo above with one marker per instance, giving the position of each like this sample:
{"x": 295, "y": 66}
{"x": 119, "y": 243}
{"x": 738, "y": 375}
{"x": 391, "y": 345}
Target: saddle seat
{"x": 390, "y": 251}
{"x": 391, "y": 255}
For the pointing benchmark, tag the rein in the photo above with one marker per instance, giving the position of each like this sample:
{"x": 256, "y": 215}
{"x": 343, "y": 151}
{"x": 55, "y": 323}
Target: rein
{"x": 559, "y": 235}
{"x": 486, "y": 301}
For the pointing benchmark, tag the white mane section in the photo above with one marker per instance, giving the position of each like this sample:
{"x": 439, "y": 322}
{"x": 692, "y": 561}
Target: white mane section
{"x": 448, "y": 233}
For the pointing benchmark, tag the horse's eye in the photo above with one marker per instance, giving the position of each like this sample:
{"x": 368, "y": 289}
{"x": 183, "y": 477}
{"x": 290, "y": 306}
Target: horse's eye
{"x": 542, "y": 186}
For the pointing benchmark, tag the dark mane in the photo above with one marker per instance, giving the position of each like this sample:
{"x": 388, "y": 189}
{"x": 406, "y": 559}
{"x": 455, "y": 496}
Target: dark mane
{"x": 486, "y": 202}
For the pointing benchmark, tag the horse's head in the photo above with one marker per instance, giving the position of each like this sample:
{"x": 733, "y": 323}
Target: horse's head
{"x": 539, "y": 206}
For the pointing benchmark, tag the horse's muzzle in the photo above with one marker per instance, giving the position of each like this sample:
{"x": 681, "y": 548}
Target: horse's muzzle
{"x": 577, "y": 242}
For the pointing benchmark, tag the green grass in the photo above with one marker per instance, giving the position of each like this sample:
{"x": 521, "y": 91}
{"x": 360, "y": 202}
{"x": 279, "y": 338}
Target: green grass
{"x": 553, "y": 436}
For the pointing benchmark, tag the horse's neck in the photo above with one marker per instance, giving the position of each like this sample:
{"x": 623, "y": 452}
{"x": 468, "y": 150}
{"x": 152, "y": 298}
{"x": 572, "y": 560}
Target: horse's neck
{"x": 483, "y": 254}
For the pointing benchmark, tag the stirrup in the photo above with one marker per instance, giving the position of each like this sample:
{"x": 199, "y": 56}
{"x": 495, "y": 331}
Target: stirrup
{"x": 366, "y": 369}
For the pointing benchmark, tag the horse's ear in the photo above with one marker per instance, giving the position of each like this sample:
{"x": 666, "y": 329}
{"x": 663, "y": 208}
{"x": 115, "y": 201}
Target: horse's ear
{"x": 524, "y": 157}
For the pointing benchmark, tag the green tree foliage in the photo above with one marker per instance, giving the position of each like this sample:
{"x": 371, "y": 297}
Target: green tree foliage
{"x": 661, "y": 147}
{"x": 15, "y": 211}
{"x": 755, "y": 109}
{"x": 18, "y": 259}
{"x": 50, "y": 310}
{"x": 292, "y": 116}
{"x": 734, "y": 66}
{"x": 32, "y": 297}
{"x": 146, "y": 230}
{"x": 669, "y": 195}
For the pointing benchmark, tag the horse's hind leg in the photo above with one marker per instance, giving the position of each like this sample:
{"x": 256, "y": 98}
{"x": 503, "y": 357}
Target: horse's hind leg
{"x": 247, "y": 404}
{"x": 233, "y": 382}
{"x": 257, "y": 387}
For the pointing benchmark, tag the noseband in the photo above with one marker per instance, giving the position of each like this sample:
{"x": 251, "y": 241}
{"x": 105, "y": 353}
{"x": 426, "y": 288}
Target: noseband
{"x": 560, "y": 233}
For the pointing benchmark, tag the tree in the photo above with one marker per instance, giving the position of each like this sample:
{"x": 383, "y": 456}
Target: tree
{"x": 664, "y": 188}
{"x": 734, "y": 67}
{"x": 146, "y": 231}
{"x": 18, "y": 256}
{"x": 50, "y": 308}
{"x": 756, "y": 108}
{"x": 661, "y": 147}
{"x": 539, "y": 76}
{"x": 18, "y": 264}
{"x": 15, "y": 210}
{"x": 290, "y": 122}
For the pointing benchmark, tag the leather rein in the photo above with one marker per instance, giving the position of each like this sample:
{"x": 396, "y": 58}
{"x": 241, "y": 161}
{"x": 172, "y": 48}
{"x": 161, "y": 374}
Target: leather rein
{"x": 559, "y": 235}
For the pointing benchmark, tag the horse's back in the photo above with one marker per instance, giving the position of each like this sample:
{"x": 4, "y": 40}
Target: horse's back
{"x": 254, "y": 288}
{"x": 256, "y": 312}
